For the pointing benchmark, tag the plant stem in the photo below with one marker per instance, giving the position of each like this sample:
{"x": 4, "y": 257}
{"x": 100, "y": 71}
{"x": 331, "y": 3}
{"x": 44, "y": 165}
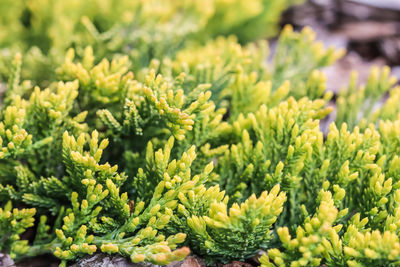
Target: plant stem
{"x": 37, "y": 250}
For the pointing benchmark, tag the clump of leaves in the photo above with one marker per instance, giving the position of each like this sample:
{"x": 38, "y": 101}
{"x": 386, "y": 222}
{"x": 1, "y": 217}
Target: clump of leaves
{"x": 151, "y": 139}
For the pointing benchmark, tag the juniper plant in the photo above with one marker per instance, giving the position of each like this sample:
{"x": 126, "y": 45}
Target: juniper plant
{"x": 143, "y": 135}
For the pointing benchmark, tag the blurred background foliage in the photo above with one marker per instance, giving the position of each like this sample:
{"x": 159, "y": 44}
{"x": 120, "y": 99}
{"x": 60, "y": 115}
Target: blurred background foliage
{"x": 44, "y": 29}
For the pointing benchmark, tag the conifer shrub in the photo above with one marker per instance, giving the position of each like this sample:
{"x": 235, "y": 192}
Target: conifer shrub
{"x": 144, "y": 134}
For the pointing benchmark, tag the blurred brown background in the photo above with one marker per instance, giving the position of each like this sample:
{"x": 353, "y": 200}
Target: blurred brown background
{"x": 368, "y": 29}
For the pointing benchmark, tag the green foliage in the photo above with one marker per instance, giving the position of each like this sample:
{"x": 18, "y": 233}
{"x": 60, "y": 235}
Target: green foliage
{"x": 320, "y": 239}
{"x": 99, "y": 207}
{"x": 143, "y": 30}
{"x": 14, "y": 222}
{"x": 363, "y": 105}
{"x": 154, "y": 138}
{"x": 228, "y": 234}
{"x": 297, "y": 55}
